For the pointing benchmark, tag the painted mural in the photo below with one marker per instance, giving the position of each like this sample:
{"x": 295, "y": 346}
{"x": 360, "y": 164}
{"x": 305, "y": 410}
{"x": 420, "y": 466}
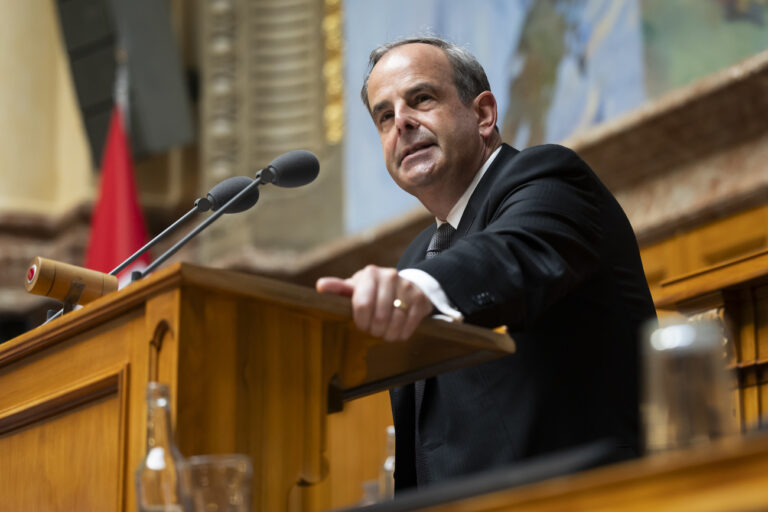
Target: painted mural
{"x": 555, "y": 66}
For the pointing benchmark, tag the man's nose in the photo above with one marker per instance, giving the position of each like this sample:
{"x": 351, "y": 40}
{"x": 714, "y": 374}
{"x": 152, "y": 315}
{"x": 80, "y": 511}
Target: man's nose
{"x": 405, "y": 120}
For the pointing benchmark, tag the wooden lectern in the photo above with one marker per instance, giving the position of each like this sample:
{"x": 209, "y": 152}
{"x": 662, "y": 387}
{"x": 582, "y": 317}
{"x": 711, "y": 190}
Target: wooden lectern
{"x": 254, "y": 366}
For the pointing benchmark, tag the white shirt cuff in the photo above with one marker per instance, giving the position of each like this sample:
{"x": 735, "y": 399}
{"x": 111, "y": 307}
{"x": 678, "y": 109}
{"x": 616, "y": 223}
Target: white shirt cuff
{"x": 434, "y": 292}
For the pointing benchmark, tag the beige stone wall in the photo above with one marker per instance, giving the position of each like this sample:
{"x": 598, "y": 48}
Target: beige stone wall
{"x": 46, "y": 175}
{"x": 73, "y": 166}
{"x": 44, "y": 163}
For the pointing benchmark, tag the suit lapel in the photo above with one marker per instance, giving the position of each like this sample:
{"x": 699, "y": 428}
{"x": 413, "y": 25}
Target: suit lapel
{"x": 480, "y": 194}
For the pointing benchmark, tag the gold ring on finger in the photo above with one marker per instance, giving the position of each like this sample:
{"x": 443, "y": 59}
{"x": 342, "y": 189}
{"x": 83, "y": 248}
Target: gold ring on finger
{"x": 399, "y": 304}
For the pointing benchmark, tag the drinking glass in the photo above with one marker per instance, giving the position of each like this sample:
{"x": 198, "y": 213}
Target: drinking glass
{"x": 220, "y": 483}
{"x": 687, "y": 386}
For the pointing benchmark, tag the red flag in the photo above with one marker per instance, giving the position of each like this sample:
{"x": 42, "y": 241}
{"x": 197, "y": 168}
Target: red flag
{"x": 117, "y": 224}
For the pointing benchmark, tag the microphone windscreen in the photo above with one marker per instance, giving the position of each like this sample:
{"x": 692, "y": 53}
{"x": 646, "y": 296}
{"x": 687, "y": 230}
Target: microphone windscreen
{"x": 229, "y": 188}
{"x": 295, "y": 168}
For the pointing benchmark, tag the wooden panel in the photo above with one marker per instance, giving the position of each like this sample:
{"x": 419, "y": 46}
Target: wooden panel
{"x": 695, "y": 286}
{"x": 727, "y": 238}
{"x": 761, "y": 330}
{"x": 761, "y": 322}
{"x": 705, "y": 245}
{"x": 250, "y": 382}
{"x": 53, "y": 373}
{"x": 68, "y": 361}
{"x": 43, "y": 443}
{"x": 289, "y": 433}
{"x": 242, "y": 391}
{"x": 744, "y": 319}
{"x": 357, "y": 445}
{"x": 750, "y": 399}
{"x": 737, "y": 411}
{"x": 662, "y": 261}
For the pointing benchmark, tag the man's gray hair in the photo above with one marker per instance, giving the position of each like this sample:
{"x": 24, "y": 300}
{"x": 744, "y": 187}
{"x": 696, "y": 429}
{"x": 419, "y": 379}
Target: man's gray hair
{"x": 468, "y": 75}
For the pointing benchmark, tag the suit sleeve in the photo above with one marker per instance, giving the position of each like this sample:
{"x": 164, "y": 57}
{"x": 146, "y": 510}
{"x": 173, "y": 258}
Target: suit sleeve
{"x": 540, "y": 241}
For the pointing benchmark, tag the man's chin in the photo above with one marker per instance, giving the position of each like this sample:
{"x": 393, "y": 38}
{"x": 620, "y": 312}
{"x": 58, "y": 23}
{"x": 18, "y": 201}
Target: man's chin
{"x": 414, "y": 179}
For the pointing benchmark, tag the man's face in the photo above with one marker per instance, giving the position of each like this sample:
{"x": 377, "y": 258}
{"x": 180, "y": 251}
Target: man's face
{"x": 427, "y": 133}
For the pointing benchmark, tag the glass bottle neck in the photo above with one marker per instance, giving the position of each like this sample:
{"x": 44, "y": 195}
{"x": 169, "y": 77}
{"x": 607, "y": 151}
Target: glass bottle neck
{"x": 159, "y": 429}
{"x": 390, "y": 442}
{"x": 159, "y": 432}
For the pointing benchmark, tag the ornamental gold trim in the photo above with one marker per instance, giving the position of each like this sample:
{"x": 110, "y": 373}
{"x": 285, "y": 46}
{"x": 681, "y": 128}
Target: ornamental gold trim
{"x": 333, "y": 71}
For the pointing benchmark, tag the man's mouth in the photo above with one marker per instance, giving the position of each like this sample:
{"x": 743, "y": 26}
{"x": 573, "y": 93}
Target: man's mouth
{"x": 415, "y": 148}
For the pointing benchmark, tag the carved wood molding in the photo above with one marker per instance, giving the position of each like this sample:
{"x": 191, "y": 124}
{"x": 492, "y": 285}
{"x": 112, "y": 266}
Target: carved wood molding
{"x": 110, "y": 382}
{"x": 751, "y": 268}
{"x": 162, "y": 328}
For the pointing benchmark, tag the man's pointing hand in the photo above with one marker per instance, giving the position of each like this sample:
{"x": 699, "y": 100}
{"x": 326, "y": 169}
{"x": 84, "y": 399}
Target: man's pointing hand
{"x": 383, "y": 304}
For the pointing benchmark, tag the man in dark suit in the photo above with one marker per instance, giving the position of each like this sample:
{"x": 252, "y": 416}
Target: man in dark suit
{"x": 528, "y": 239}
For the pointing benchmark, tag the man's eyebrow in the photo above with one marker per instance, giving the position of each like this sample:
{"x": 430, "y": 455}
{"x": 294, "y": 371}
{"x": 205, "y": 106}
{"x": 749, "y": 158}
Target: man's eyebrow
{"x": 378, "y": 108}
{"x": 421, "y": 87}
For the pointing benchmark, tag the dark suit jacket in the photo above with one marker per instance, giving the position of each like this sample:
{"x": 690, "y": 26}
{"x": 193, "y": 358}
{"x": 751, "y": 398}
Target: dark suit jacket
{"x": 543, "y": 248}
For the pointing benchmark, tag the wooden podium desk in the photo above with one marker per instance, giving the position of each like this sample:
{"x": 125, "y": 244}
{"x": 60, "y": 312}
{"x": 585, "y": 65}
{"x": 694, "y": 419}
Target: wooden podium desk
{"x": 254, "y": 366}
{"x": 728, "y": 476}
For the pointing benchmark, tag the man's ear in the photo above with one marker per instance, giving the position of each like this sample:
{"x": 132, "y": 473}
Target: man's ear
{"x": 485, "y": 107}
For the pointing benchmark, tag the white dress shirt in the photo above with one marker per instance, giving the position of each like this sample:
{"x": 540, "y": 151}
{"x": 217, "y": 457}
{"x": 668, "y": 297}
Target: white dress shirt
{"x": 428, "y": 284}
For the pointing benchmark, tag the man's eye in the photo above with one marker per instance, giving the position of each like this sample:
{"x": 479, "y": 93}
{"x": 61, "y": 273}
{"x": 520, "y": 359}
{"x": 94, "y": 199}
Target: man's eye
{"x": 422, "y": 97}
{"x": 384, "y": 117}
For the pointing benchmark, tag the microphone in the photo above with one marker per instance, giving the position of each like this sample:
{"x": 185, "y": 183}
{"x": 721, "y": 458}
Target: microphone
{"x": 292, "y": 169}
{"x": 68, "y": 283}
{"x": 226, "y": 190}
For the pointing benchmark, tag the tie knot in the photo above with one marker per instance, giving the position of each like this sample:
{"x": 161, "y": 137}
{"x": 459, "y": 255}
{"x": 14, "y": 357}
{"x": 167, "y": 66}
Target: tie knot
{"x": 441, "y": 240}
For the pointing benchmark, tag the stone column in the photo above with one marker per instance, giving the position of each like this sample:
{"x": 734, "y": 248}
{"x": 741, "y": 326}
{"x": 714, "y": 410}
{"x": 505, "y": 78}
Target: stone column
{"x": 271, "y": 82}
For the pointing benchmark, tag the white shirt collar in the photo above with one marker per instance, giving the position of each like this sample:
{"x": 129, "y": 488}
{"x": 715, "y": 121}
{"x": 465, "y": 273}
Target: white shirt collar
{"x": 454, "y": 216}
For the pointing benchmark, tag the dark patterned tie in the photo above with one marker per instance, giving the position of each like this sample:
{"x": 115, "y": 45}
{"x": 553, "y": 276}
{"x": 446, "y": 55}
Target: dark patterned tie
{"x": 440, "y": 241}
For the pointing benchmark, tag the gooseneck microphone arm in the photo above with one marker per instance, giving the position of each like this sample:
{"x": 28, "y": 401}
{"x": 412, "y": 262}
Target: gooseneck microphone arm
{"x": 216, "y": 197}
{"x": 133, "y": 257}
{"x": 178, "y": 245}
